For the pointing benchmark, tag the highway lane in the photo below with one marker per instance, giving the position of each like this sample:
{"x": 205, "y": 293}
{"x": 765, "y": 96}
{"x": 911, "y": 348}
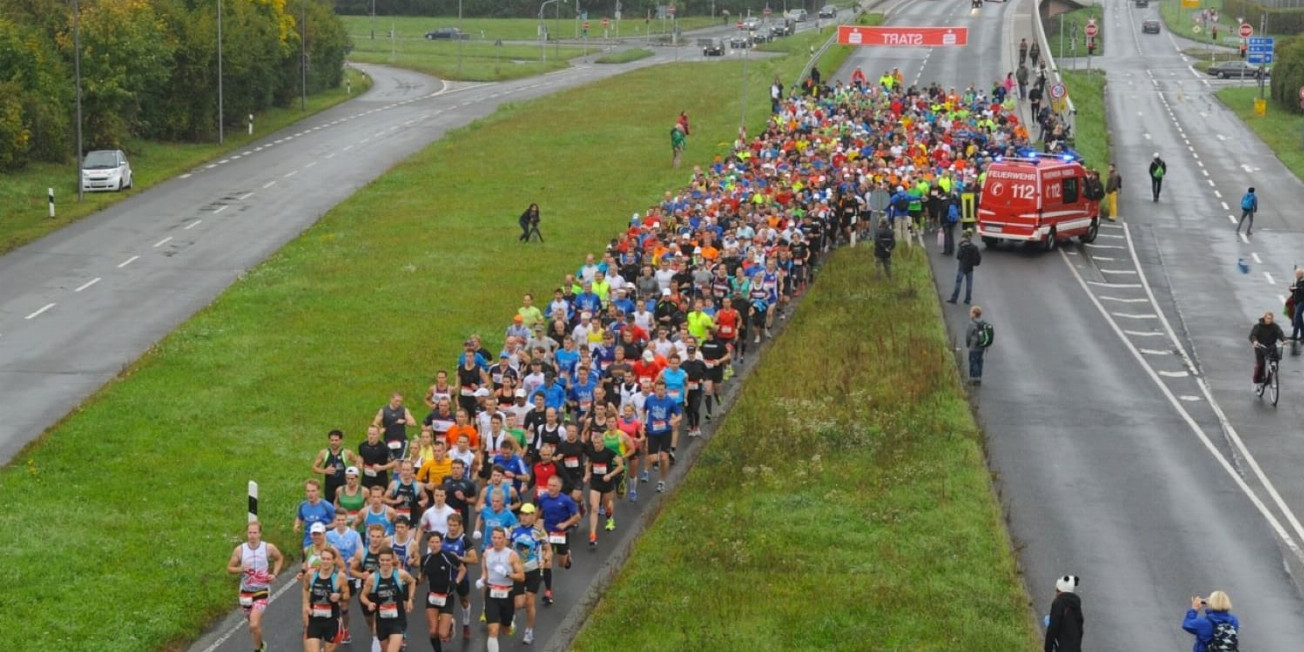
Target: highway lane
{"x": 1111, "y": 464}
{"x": 79, "y": 305}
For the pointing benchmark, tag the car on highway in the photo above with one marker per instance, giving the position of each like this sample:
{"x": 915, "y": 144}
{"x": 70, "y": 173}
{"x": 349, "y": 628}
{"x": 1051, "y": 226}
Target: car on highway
{"x": 1150, "y": 26}
{"x": 1039, "y": 199}
{"x": 447, "y": 33}
{"x": 1238, "y": 69}
{"x": 798, "y": 15}
{"x": 828, "y": 11}
{"x": 106, "y": 169}
{"x": 739, "y": 42}
{"x": 752, "y": 24}
{"x": 712, "y": 47}
{"x": 787, "y": 27}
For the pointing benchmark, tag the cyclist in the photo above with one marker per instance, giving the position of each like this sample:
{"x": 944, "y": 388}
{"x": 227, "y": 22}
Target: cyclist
{"x": 1264, "y": 336}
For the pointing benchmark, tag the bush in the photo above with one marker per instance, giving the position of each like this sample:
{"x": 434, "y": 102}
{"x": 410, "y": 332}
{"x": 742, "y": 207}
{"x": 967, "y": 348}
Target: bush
{"x": 1288, "y": 74}
{"x": 1281, "y": 20}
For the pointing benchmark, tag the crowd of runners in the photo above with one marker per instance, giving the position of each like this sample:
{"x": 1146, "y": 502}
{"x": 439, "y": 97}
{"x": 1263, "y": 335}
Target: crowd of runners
{"x": 524, "y": 454}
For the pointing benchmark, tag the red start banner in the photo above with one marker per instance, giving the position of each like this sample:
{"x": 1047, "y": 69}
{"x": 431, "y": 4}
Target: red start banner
{"x": 903, "y": 36}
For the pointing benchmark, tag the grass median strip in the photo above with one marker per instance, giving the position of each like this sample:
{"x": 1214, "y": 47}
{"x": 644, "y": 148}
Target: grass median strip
{"x": 844, "y": 503}
{"x": 1279, "y": 129}
{"x": 1091, "y": 138}
{"x": 24, "y": 215}
{"x": 151, "y": 472}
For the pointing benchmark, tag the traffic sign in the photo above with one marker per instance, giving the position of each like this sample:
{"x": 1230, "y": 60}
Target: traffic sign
{"x": 740, "y": 24}
{"x": 606, "y": 22}
{"x": 1091, "y": 29}
{"x": 1259, "y": 58}
{"x": 1259, "y": 45}
{"x": 1057, "y": 91}
{"x": 1247, "y": 30}
{"x": 902, "y": 36}
{"x": 767, "y": 10}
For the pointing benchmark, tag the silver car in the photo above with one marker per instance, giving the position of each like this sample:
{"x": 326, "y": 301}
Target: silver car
{"x": 106, "y": 169}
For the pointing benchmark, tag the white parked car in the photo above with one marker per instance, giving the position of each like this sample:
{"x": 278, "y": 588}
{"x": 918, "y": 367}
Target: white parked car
{"x": 106, "y": 169}
{"x": 798, "y": 15}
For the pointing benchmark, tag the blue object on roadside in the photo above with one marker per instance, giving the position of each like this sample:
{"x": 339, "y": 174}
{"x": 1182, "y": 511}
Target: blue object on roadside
{"x": 1242, "y": 265}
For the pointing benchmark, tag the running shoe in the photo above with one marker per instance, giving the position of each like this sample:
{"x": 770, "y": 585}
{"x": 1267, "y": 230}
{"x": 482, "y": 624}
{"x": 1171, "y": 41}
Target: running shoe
{"x": 348, "y": 637}
{"x": 602, "y": 511}
{"x": 611, "y": 524}
{"x": 643, "y": 478}
{"x": 633, "y": 496}
{"x": 529, "y": 637}
{"x": 593, "y": 540}
{"x": 466, "y": 632}
{"x": 661, "y": 487}
{"x": 567, "y": 563}
{"x": 547, "y": 602}
{"x": 482, "y": 618}
{"x": 672, "y": 458}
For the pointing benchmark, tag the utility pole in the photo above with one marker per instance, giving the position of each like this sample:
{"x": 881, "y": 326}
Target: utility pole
{"x": 76, "y": 57}
{"x": 459, "y": 38}
{"x": 373, "y": 20}
{"x": 303, "y": 59}
{"x": 221, "y": 128}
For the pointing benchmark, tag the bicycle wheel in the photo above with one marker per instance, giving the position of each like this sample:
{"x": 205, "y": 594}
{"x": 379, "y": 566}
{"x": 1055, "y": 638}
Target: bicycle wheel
{"x": 1273, "y": 387}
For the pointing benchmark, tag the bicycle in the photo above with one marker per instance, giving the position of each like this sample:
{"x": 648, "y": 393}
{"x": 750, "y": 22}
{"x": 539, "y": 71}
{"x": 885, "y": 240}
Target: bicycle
{"x": 1271, "y": 380}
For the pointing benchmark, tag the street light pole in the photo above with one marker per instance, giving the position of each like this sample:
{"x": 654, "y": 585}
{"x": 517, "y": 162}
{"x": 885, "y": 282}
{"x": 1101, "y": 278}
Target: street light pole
{"x": 459, "y": 38}
{"x": 221, "y": 128}
{"x": 76, "y": 57}
{"x": 373, "y": 20}
{"x": 303, "y": 59}
{"x": 543, "y": 39}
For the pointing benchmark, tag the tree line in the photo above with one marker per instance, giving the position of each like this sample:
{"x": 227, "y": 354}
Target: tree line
{"x": 528, "y": 8}
{"x": 149, "y": 69}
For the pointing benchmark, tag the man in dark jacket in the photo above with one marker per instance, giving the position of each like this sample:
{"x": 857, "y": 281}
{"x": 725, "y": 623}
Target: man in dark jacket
{"x": 968, "y": 257}
{"x": 884, "y": 243}
{"x": 1264, "y": 337}
{"x": 1157, "y": 171}
{"x": 1064, "y": 624}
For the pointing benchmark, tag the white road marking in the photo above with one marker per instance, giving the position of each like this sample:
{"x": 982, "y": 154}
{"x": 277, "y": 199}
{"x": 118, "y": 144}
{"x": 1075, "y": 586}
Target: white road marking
{"x": 1253, "y": 255}
{"x": 195, "y": 224}
{"x": 269, "y": 184}
{"x": 1096, "y": 246}
{"x": 1155, "y": 352}
{"x": 1147, "y": 138}
{"x": 1270, "y": 279}
{"x": 185, "y": 176}
{"x": 1144, "y": 333}
{"x": 247, "y": 154}
{"x": 1245, "y": 238}
{"x": 1224, "y": 205}
{"x": 347, "y": 148}
{"x": 290, "y": 174}
{"x": 224, "y": 161}
{"x": 1188, "y": 397}
{"x": 1097, "y": 257}
{"x": 331, "y": 155}
{"x": 38, "y": 312}
{"x": 1199, "y": 163}
{"x": 1232, "y": 218}
{"x": 1202, "y": 171}
{"x": 221, "y": 208}
{"x": 1215, "y": 192}
{"x": 246, "y": 196}
{"x": 1122, "y": 300}
{"x": 1107, "y": 235}
{"x": 1129, "y": 315}
{"x": 1221, "y": 137}
{"x": 88, "y": 284}
{"x": 162, "y": 242}
{"x": 127, "y": 262}
{"x": 1174, "y": 374}
{"x": 1117, "y": 271}
{"x": 1210, "y": 182}
{"x": 310, "y": 165}
{"x": 210, "y": 166}
{"x": 1114, "y": 285}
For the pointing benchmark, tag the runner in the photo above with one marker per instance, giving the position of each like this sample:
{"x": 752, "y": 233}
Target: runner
{"x": 378, "y": 513}
{"x": 351, "y": 498}
{"x": 501, "y": 570}
{"x": 602, "y": 467}
{"x": 530, "y": 541}
{"x": 394, "y": 419}
{"x": 632, "y": 427}
{"x": 444, "y": 571}
{"x": 662, "y": 417}
{"x": 325, "y": 597}
{"x": 571, "y": 453}
{"x": 560, "y": 514}
{"x": 257, "y": 563}
{"x": 331, "y": 463}
{"x": 716, "y": 356}
{"x": 405, "y": 543}
{"x": 459, "y": 545}
{"x": 438, "y": 467}
{"x": 364, "y": 565}
{"x": 436, "y": 517}
{"x": 312, "y": 552}
{"x": 348, "y": 542}
{"x": 313, "y": 510}
{"x": 493, "y": 515}
{"x": 460, "y": 491}
{"x": 695, "y": 368}
{"x": 377, "y": 460}
{"x": 499, "y": 486}
{"x": 388, "y": 593}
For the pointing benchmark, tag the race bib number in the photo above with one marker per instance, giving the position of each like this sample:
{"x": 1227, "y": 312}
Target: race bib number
{"x": 557, "y": 537}
{"x": 584, "y": 405}
{"x": 693, "y": 385}
{"x": 388, "y": 611}
{"x": 402, "y": 511}
{"x": 658, "y": 425}
{"x": 369, "y": 471}
{"x": 726, "y": 329}
{"x": 437, "y": 599}
{"x": 246, "y": 599}
{"x": 674, "y": 394}
{"x": 322, "y": 611}
{"x": 395, "y": 445}
{"x": 496, "y": 591}
{"x": 600, "y": 469}
{"x": 468, "y": 392}
{"x": 572, "y": 462}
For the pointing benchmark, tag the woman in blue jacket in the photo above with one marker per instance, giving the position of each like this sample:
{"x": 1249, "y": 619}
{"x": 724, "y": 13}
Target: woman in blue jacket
{"x": 1217, "y": 629}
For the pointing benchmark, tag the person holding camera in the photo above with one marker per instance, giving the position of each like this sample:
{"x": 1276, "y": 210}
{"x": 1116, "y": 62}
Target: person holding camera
{"x": 1217, "y": 629}
{"x": 529, "y": 222}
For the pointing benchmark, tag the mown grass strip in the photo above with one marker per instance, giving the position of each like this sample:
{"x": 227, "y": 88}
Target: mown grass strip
{"x": 844, "y": 504}
{"x": 1279, "y": 129}
{"x": 1072, "y": 42}
{"x": 625, "y": 56}
{"x": 1091, "y": 138}
{"x": 151, "y": 472}
{"x": 480, "y": 60}
{"x": 517, "y": 29}
{"x": 24, "y": 215}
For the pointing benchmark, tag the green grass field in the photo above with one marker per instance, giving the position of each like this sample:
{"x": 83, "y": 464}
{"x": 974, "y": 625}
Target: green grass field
{"x": 1280, "y": 129}
{"x": 24, "y": 215}
{"x": 1087, "y": 90}
{"x": 844, "y": 504}
{"x": 480, "y": 60}
{"x": 625, "y": 56}
{"x": 1074, "y": 21}
{"x": 514, "y": 29}
{"x": 1180, "y": 20}
{"x": 372, "y": 299}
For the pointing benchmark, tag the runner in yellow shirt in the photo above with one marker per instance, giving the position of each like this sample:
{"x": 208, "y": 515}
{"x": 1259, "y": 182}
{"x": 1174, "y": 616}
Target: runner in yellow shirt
{"x": 699, "y": 323}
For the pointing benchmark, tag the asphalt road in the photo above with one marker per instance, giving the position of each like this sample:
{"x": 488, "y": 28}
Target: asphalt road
{"x": 1112, "y": 461}
{"x": 79, "y": 305}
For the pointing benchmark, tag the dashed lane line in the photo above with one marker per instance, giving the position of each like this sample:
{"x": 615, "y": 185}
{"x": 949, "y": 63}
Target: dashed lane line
{"x": 38, "y": 312}
{"x": 162, "y": 242}
{"x": 221, "y": 208}
{"x": 193, "y": 225}
{"x": 87, "y": 284}
{"x": 128, "y": 261}
{"x": 269, "y": 184}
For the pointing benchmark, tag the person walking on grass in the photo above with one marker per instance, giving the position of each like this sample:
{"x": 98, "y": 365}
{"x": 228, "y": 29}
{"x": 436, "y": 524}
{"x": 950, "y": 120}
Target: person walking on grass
{"x": 678, "y": 140}
{"x": 967, "y": 257}
{"x": 1249, "y": 206}
{"x": 884, "y": 243}
{"x": 977, "y": 337}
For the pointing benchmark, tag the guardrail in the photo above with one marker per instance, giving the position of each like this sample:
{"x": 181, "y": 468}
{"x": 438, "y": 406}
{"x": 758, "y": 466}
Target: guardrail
{"x": 1072, "y": 118}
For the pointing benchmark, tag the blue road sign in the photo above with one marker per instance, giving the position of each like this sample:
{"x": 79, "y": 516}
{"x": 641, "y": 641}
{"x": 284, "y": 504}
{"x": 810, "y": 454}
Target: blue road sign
{"x": 1259, "y": 58}
{"x": 1260, "y": 41}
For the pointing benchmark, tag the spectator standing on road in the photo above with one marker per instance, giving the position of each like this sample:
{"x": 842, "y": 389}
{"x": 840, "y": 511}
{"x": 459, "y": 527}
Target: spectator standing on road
{"x": 1023, "y": 50}
{"x": 1035, "y": 52}
{"x": 1297, "y": 310}
{"x": 977, "y": 337}
{"x": 1064, "y": 624}
{"x": 1249, "y": 206}
{"x": 1218, "y": 628}
{"x": 1157, "y": 171}
{"x": 884, "y": 243}
{"x": 1113, "y": 184}
{"x": 677, "y": 143}
{"x": 968, "y": 257}
{"x": 1021, "y": 76}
